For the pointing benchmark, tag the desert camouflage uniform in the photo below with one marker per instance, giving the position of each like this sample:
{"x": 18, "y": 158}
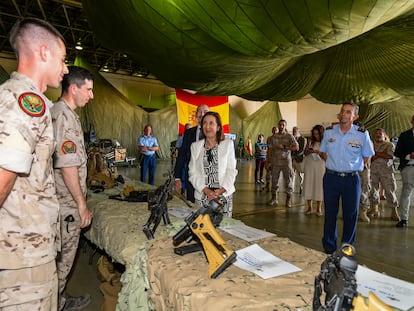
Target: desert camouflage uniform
{"x": 29, "y": 215}
{"x": 70, "y": 151}
{"x": 364, "y": 201}
{"x": 382, "y": 171}
{"x": 281, "y": 160}
{"x": 268, "y": 172}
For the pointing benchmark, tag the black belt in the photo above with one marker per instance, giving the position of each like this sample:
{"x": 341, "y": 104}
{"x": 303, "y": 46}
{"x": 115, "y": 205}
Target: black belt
{"x": 341, "y": 174}
{"x": 409, "y": 165}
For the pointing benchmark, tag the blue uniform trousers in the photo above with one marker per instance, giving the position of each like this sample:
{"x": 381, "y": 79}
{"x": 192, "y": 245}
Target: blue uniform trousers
{"x": 348, "y": 189}
{"x": 148, "y": 163}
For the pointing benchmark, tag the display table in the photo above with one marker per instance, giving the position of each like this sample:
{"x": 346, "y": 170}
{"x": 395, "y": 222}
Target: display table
{"x": 157, "y": 279}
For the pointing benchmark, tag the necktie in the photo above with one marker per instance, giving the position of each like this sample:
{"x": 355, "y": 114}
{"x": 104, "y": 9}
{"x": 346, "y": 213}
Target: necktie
{"x": 200, "y": 134}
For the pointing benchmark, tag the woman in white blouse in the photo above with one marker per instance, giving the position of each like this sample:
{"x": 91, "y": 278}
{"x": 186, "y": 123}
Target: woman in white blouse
{"x": 212, "y": 168}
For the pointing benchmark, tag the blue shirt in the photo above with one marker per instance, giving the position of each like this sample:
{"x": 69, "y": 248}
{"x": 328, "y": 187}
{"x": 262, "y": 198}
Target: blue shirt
{"x": 147, "y": 141}
{"x": 257, "y": 154}
{"x": 179, "y": 142}
{"x": 346, "y": 151}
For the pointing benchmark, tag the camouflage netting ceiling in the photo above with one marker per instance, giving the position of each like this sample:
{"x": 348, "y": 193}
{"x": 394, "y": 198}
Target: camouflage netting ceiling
{"x": 342, "y": 50}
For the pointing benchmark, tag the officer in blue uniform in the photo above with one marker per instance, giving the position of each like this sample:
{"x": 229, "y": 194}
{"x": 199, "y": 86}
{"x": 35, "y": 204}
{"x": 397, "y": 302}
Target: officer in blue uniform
{"x": 346, "y": 149}
{"x": 148, "y": 145}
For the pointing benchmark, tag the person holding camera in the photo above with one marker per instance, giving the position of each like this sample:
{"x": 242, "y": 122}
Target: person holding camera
{"x": 314, "y": 168}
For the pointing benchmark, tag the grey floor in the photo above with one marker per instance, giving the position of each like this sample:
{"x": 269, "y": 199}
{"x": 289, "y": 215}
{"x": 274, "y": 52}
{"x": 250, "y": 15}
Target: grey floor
{"x": 379, "y": 245}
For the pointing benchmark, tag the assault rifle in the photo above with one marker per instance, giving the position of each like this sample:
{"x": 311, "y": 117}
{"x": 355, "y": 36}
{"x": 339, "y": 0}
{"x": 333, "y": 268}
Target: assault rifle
{"x": 200, "y": 226}
{"x": 157, "y": 204}
{"x": 337, "y": 280}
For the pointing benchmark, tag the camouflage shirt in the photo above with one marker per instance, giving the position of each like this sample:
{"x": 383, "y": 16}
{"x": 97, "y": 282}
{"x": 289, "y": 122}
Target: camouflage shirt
{"x": 70, "y": 149}
{"x": 29, "y": 215}
{"x": 281, "y": 156}
{"x": 381, "y": 163}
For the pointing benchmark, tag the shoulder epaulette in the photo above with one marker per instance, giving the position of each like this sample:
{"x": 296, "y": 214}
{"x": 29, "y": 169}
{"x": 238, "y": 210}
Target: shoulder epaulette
{"x": 329, "y": 128}
{"x": 361, "y": 128}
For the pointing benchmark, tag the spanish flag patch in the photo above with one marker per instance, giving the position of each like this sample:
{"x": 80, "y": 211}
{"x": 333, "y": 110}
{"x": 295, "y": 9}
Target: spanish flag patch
{"x": 68, "y": 146}
{"x": 32, "y": 104}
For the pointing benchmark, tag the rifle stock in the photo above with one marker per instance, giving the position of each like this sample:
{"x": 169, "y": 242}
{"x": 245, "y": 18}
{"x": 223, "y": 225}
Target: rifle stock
{"x": 158, "y": 207}
{"x": 199, "y": 226}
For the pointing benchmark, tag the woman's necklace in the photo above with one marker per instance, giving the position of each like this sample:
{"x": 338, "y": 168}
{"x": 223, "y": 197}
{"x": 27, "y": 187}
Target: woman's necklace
{"x": 210, "y": 145}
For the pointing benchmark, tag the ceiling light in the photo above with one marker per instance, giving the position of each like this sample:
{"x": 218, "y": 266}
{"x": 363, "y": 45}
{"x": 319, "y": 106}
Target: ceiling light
{"x": 79, "y": 46}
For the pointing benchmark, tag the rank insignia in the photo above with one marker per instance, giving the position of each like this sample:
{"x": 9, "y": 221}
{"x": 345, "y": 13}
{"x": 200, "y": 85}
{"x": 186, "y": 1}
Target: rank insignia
{"x": 32, "y": 104}
{"x": 68, "y": 146}
{"x": 331, "y": 140}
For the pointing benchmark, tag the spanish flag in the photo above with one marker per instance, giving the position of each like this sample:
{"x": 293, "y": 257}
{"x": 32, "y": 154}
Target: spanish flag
{"x": 249, "y": 147}
{"x": 187, "y": 104}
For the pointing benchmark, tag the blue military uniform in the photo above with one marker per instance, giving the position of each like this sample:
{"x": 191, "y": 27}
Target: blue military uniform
{"x": 341, "y": 181}
{"x": 148, "y": 160}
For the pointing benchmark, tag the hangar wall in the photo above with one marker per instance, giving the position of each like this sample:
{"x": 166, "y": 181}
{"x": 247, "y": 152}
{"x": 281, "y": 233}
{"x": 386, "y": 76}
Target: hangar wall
{"x": 112, "y": 114}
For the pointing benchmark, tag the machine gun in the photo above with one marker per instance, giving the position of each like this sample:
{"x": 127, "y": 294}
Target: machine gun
{"x": 157, "y": 204}
{"x": 337, "y": 276}
{"x": 200, "y": 226}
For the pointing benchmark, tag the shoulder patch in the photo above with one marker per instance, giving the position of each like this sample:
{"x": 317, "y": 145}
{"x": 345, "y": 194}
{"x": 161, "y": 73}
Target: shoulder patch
{"x": 68, "y": 146}
{"x": 32, "y": 104}
{"x": 361, "y": 127}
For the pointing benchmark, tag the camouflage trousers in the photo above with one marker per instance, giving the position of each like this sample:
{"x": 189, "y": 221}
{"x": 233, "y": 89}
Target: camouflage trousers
{"x": 69, "y": 235}
{"x": 365, "y": 175}
{"x": 287, "y": 172}
{"x": 299, "y": 168}
{"x": 386, "y": 178}
{"x": 33, "y": 288}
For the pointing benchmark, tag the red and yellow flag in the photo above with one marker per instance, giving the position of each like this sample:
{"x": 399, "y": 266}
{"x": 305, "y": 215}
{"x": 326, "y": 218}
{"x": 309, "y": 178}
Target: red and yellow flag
{"x": 187, "y": 104}
{"x": 249, "y": 147}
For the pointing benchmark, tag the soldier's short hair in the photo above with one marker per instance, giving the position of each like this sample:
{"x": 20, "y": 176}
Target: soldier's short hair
{"x": 76, "y": 75}
{"x": 32, "y": 28}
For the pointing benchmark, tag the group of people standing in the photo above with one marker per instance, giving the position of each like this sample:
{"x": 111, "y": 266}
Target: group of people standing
{"x": 334, "y": 166}
{"x": 42, "y": 172}
{"x": 381, "y": 177}
{"x": 292, "y": 155}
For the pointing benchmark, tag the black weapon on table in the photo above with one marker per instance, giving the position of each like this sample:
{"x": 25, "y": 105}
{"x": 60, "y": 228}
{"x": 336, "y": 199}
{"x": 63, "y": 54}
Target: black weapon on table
{"x": 338, "y": 281}
{"x": 201, "y": 227}
{"x": 157, "y": 204}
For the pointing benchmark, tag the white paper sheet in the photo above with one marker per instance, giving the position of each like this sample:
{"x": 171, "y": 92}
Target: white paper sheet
{"x": 246, "y": 233}
{"x": 255, "y": 259}
{"x": 394, "y": 292}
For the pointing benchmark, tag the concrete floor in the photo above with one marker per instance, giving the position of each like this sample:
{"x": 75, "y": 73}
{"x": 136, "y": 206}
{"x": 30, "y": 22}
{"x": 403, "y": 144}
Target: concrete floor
{"x": 379, "y": 245}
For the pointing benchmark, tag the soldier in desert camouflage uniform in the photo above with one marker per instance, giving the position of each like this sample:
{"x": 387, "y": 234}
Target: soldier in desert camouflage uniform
{"x": 280, "y": 160}
{"x": 364, "y": 201}
{"x": 28, "y": 204}
{"x": 70, "y": 160}
{"x": 382, "y": 171}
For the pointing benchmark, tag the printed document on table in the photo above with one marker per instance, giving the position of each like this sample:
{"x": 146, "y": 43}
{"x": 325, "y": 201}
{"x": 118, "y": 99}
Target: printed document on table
{"x": 392, "y": 291}
{"x": 246, "y": 233}
{"x": 255, "y": 259}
